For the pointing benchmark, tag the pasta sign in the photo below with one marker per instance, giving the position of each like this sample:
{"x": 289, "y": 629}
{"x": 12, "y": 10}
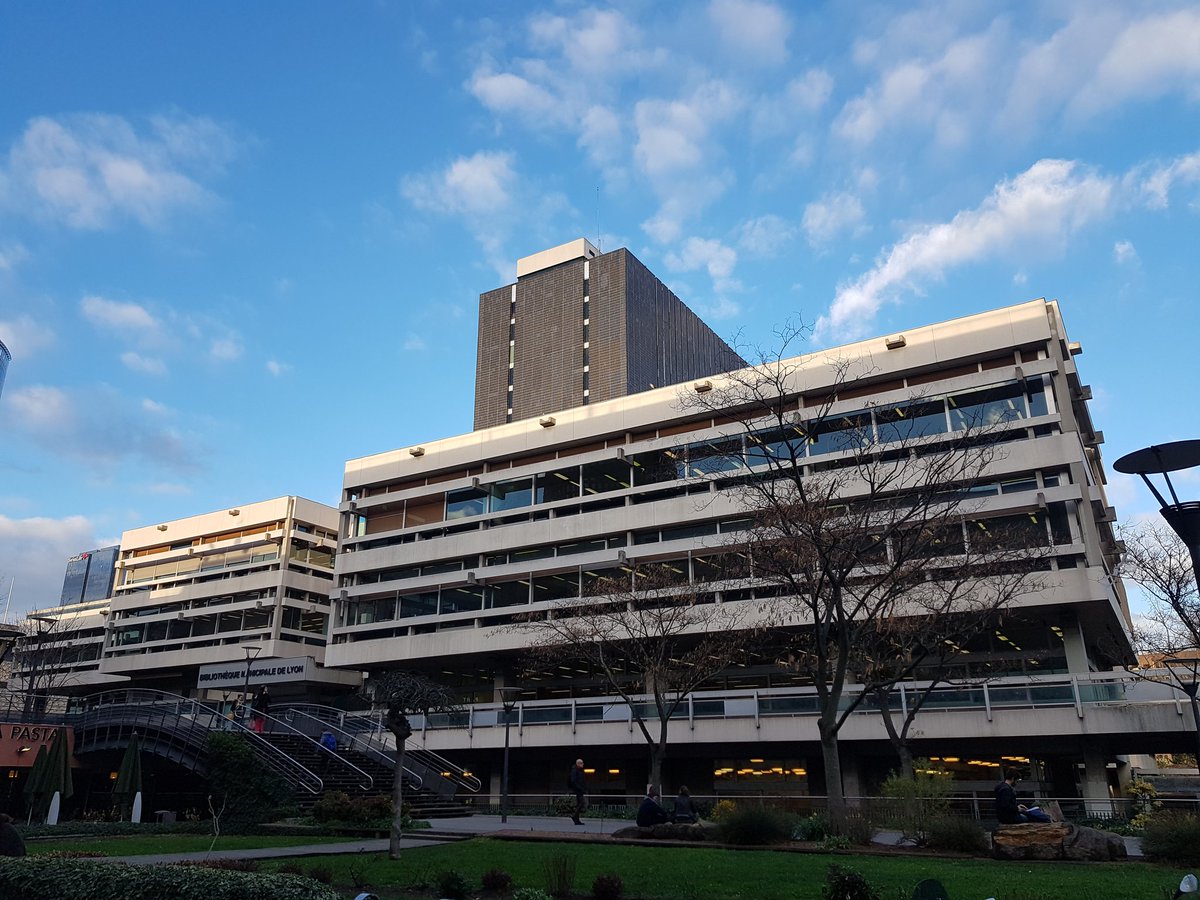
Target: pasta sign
{"x": 267, "y": 671}
{"x": 19, "y": 743}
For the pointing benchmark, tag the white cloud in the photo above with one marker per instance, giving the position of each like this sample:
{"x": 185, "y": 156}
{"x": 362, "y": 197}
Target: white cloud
{"x": 413, "y": 342}
{"x": 506, "y": 92}
{"x": 33, "y": 556}
{"x": 12, "y": 255}
{"x": 833, "y": 214}
{"x": 100, "y": 428}
{"x": 129, "y": 319}
{"x": 25, "y": 336}
{"x": 709, "y": 254}
{"x": 90, "y": 171}
{"x": 597, "y": 43}
{"x": 154, "y": 407}
{"x": 1035, "y": 211}
{"x": 1124, "y": 252}
{"x": 226, "y": 349}
{"x": 765, "y": 236}
{"x": 138, "y": 363}
{"x": 277, "y": 368}
{"x": 1154, "y": 182}
{"x": 753, "y": 32}
{"x": 477, "y": 184}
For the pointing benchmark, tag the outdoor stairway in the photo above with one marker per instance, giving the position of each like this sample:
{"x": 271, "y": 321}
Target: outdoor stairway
{"x": 338, "y": 776}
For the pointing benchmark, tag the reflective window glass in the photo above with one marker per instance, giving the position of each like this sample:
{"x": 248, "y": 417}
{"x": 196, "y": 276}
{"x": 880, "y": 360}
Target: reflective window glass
{"x": 508, "y": 593}
{"x": 465, "y": 502}
{"x": 656, "y": 466}
{"x": 982, "y": 409}
{"x": 913, "y": 420}
{"x": 562, "y": 484}
{"x": 606, "y": 475}
{"x": 1035, "y": 388}
{"x": 775, "y": 446}
{"x": 511, "y": 494}
{"x": 555, "y": 587}
{"x": 839, "y": 433}
{"x": 712, "y": 457}
{"x": 462, "y": 599}
{"x": 421, "y": 604}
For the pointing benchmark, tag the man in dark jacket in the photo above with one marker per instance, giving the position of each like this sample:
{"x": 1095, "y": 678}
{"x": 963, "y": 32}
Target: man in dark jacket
{"x": 1008, "y": 811}
{"x": 577, "y": 784}
{"x": 11, "y": 843}
{"x": 651, "y": 812}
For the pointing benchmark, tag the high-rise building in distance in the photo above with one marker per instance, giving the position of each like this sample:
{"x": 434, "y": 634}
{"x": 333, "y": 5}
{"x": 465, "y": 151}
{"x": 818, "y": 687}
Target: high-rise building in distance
{"x": 580, "y": 327}
{"x": 5, "y": 358}
{"x": 89, "y": 576}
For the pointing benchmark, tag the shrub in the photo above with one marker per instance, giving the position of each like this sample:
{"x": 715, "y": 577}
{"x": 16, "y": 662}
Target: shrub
{"x": 530, "y": 894}
{"x": 811, "y": 828}
{"x": 835, "y": 842}
{"x": 608, "y": 886}
{"x": 497, "y": 881}
{"x": 233, "y": 865}
{"x": 1174, "y": 837}
{"x": 956, "y": 833}
{"x": 915, "y": 802}
{"x": 842, "y": 883}
{"x": 860, "y": 829}
{"x": 336, "y": 806}
{"x": 35, "y": 878}
{"x": 240, "y": 781}
{"x": 721, "y": 810}
{"x": 323, "y": 874}
{"x": 453, "y": 885}
{"x": 560, "y": 875}
{"x": 756, "y": 825}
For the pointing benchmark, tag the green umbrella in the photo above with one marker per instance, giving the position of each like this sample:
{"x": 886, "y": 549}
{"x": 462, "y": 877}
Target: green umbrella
{"x": 58, "y": 778}
{"x": 34, "y": 785}
{"x": 129, "y": 775}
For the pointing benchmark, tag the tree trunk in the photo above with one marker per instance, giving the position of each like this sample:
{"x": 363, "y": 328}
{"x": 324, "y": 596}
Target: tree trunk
{"x": 402, "y": 731}
{"x": 833, "y": 781}
{"x": 899, "y": 739}
{"x": 657, "y": 752}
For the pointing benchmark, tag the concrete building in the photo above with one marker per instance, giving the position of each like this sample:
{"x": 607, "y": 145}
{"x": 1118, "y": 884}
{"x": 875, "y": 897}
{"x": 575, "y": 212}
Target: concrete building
{"x": 445, "y": 542}
{"x": 581, "y": 327}
{"x": 191, "y": 595}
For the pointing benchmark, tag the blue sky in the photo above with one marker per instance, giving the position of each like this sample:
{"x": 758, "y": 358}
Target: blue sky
{"x": 242, "y": 243}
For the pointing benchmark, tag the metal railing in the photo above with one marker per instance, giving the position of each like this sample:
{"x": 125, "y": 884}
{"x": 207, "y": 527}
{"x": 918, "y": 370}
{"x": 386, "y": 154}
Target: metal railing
{"x": 277, "y": 725}
{"x": 1081, "y": 692}
{"x": 177, "y": 727}
{"x": 431, "y": 770}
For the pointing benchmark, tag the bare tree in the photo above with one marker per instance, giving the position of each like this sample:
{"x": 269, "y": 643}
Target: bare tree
{"x": 41, "y": 658}
{"x": 650, "y": 635}
{"x": 400, "y": 695}
{"x": 864, "y": 517}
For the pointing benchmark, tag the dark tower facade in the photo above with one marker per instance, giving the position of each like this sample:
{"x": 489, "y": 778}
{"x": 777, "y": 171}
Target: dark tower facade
{"x": 580, "y": 327}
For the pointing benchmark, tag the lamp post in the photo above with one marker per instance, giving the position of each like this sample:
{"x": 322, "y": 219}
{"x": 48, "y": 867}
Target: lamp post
{"x": 251, "y": 654}
{"x": 1184, "y": 519}
{"x": 508, "y": 699}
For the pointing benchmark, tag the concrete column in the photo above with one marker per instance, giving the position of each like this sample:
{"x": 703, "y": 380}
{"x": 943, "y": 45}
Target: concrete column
{"x": 1095, "y": 782}
{"x": 851, "y": 778}
{"x": 1076, "y": 649}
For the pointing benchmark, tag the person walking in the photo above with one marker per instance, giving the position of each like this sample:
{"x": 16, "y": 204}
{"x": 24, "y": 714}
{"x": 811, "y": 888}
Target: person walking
{"x": 577, "y": 784}
{"x": 261, "y": 705}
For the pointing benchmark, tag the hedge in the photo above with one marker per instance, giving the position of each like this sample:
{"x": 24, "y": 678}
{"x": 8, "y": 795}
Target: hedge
{"x": 34, "y": 878}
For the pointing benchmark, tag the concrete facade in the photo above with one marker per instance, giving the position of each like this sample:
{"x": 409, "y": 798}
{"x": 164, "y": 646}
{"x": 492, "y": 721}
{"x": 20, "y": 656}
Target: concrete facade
{"x": 580, "y": 327}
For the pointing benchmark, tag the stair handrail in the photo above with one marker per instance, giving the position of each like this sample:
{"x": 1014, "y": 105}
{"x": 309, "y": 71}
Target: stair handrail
{"x": 355, "y": 739}
{"x": 428, "y": 760}
{"x": 210, "y": 720}
{"x": 254, "y": 713}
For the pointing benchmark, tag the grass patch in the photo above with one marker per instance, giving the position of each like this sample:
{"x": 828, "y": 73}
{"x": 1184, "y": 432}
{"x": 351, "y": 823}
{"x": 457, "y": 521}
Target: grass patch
{"x": 651, "y": 873}
{"x": 175, "y": 843}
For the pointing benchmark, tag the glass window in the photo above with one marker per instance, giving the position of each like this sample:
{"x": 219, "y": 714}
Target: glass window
{"x": 156, "y": 631}
{"x": 774, "y": 446}
{"x": 713, "y": 457}
{"x": 1035, "y": 389}
{"x": 561, "y": 484}
{"x": 1060, "y": 523}
{"x": 606, "y": 580}
{"x": 580, "y": 547}
{"x": 462, "y": 599}
{"x": 913, "y": 420}
{"x": 465, "y": 502}
{"x": 682, "y": 532}
{"x": 257, "y": 618}
{"x": 1025, "y": 530}
{"x": 291, "y": 617}
{"x": 839, "y": 433}
{"x": 982, "y": 409}
{"x": 606, "y": 475}
{"x": 514, "y": 494}
{"x": 656, "y": 466}
{"x": 420, "y": 604}
{"x": 555, "y": 587}
{"x": 230, "y": 621}
{"x": 508, "y": 593}
{"x": 313, "y": 622}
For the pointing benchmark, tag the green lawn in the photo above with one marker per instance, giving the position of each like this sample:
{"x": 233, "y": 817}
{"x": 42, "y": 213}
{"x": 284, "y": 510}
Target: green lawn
{"x": 650, "y": 873}
{"x": 137, "y": 845}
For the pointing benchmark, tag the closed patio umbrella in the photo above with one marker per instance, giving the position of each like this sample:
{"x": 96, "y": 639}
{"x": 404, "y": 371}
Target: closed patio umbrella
{"x": 34, "y": 785}
{"x": 129, "y": 777}
{"x": 59, "y": 779}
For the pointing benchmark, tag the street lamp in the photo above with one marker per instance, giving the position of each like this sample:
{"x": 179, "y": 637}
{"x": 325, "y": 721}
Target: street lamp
{"x": 1184, "y": 519}
{"x": 251, "y": 654}
{"x": 508, "y": 699}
